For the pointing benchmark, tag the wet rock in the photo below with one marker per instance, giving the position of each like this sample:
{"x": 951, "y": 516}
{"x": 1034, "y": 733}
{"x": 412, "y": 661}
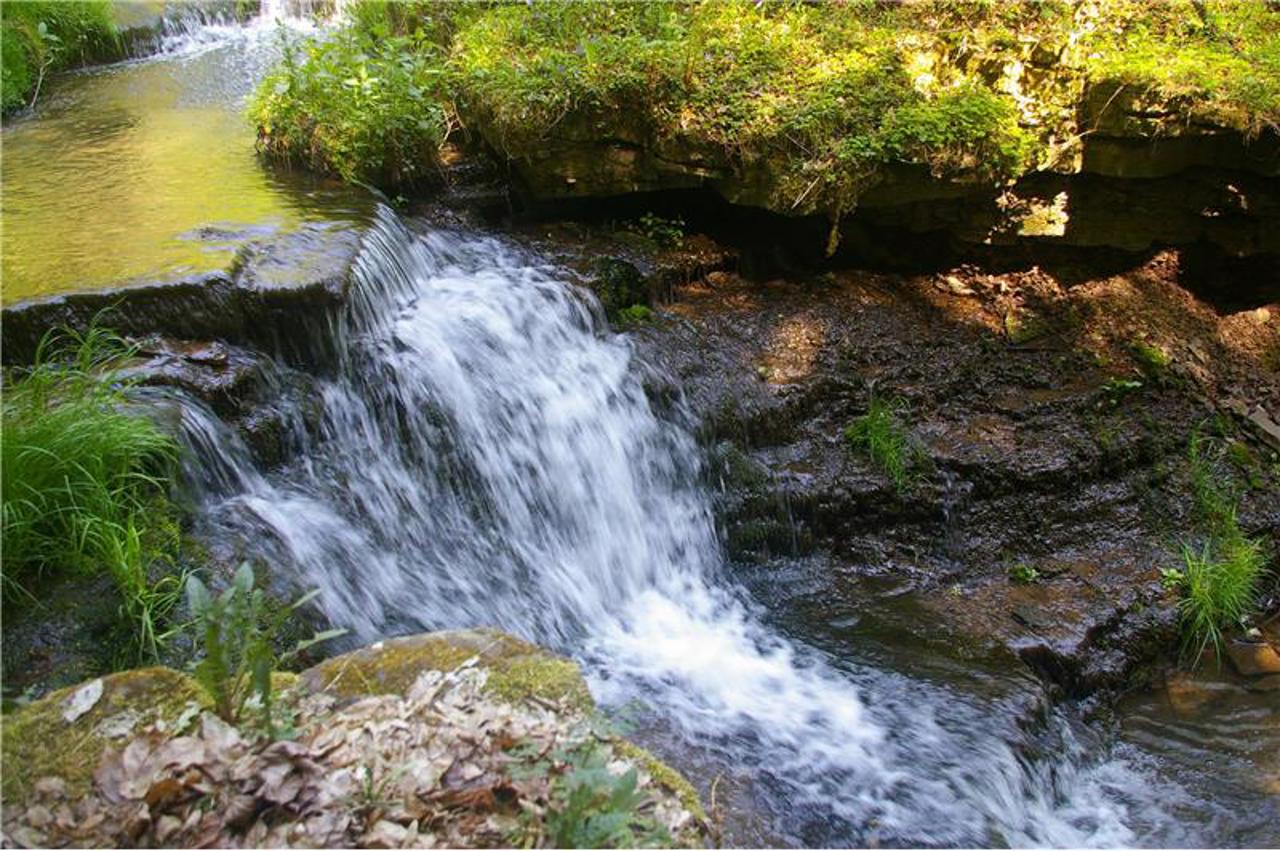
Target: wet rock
{"x": 1031, "y": 458}
{"x": 1253, "y": 658}
{"x": 278, "y": 294}
{"x": 1269, "y": 683}
{"x": 618, "y": 285}
{"x": 227, "y": 378}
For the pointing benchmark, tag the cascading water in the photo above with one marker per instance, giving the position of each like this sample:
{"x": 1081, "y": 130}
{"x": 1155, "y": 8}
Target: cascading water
{"x": 486, "y": 455}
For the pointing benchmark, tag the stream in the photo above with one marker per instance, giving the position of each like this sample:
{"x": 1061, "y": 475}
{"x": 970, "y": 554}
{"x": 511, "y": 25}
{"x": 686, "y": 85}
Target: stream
{"x": 484, "y": 453}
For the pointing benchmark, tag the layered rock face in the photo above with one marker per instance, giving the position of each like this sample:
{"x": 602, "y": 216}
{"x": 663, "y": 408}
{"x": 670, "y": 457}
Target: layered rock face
{"x": 1137, "y": 173}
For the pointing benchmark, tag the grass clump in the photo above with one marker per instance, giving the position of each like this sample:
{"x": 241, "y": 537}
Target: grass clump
{"x": 39, "y": 37}
{"x": 1219, "y": 580}
{"x": 1219, "y": 587}
{"x": 882, "y": 435}
{"x": 85, "y": 480}
{"x": 634, "y": 316}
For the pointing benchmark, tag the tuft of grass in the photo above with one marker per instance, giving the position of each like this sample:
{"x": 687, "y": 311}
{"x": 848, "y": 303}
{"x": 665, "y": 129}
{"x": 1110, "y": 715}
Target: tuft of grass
{"x": 1220, "y": 579}
{"x": 39, "y": 37}
{"x": 85, "y": 479}
{"x": 1219, "y": 588}
{"x": 634, "y": 316}
{"x": 882, "y": 434}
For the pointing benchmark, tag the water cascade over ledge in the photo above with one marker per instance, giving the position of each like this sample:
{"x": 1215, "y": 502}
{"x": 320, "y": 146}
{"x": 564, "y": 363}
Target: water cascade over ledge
{"x": 485, "y": 454}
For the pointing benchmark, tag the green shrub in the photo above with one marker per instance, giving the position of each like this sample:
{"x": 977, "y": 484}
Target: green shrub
{"x": 38, "y": 37}
{"x": 238, "y": 630}
{"x": 882, "y": 435}
{"x": 85, "y": 479}
{"x": 362, "y": 104}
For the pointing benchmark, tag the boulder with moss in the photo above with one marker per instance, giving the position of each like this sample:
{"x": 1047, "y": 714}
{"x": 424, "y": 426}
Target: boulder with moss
{"x": 457, "y": 739}
{"x": 64, "y": 734}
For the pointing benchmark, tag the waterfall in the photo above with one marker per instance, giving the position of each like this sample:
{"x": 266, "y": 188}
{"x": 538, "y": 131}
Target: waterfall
{"x": 485, "y": 455}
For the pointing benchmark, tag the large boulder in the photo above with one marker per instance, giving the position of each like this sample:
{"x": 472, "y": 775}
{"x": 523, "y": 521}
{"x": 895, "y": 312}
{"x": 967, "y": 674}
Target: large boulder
{"x": 517, "y": 671}
{"x": 458, "y": 739}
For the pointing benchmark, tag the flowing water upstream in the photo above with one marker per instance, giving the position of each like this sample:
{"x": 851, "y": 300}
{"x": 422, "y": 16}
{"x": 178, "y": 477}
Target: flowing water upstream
{"x": 145, "y": 170}
{"x": 483, "y": 453}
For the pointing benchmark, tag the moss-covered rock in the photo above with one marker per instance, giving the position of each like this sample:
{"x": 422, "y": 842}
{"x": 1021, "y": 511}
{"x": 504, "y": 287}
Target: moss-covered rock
{"x": 517, "y": 669}
{"x": 63, "y": 735}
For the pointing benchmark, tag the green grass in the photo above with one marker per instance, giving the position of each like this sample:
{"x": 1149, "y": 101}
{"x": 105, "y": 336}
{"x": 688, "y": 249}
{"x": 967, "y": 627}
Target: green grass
{"x": 39, "y": 37}
{"x": 1219, "y": 587}
{"x": 1219, "y": 580}
{"x": 85, "y": 481}
{"x": 1023, "y": 573}
{"x": 882, "y": 435}
{"x": 634, "y": 316}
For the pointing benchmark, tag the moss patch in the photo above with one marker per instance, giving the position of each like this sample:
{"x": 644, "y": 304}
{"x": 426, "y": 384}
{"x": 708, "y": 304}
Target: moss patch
{"x": 38, "y": 742}
{"x": 517, "y": 669}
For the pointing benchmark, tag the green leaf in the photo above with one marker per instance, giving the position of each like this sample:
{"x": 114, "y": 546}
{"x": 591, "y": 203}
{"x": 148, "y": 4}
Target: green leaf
{"x": 197, "y": 596}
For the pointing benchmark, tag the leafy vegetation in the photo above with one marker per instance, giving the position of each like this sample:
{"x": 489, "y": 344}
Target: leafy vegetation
{"x": 662, "y": 232}
{"x": 881, "y": 433}
{"x": 595, "y": 808}
{"x": 85, "y": 480}
{"x": 633, "y": 316}
{"x": 38, "y": 37}
{"x": 1220, "y": 579}
{"x": 362, "y": 103}
{"x": 1023, "y": 573}
{"x": 238, "y": 630}
{"x": 817, "y": 100}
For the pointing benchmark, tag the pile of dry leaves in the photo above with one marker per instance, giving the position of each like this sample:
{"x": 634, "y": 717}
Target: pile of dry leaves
{"x": 446, "y": 765}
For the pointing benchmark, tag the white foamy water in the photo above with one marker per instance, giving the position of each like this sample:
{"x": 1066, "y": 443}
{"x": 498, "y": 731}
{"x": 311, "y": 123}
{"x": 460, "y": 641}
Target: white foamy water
{"x": 485, "y": 455}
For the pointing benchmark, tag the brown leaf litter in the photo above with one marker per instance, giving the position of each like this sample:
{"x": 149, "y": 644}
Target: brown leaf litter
{"x": 446, "y": 765}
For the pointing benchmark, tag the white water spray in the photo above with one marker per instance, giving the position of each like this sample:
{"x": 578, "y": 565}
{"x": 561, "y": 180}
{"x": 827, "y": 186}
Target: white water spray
{"x": 486, "y": 455}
